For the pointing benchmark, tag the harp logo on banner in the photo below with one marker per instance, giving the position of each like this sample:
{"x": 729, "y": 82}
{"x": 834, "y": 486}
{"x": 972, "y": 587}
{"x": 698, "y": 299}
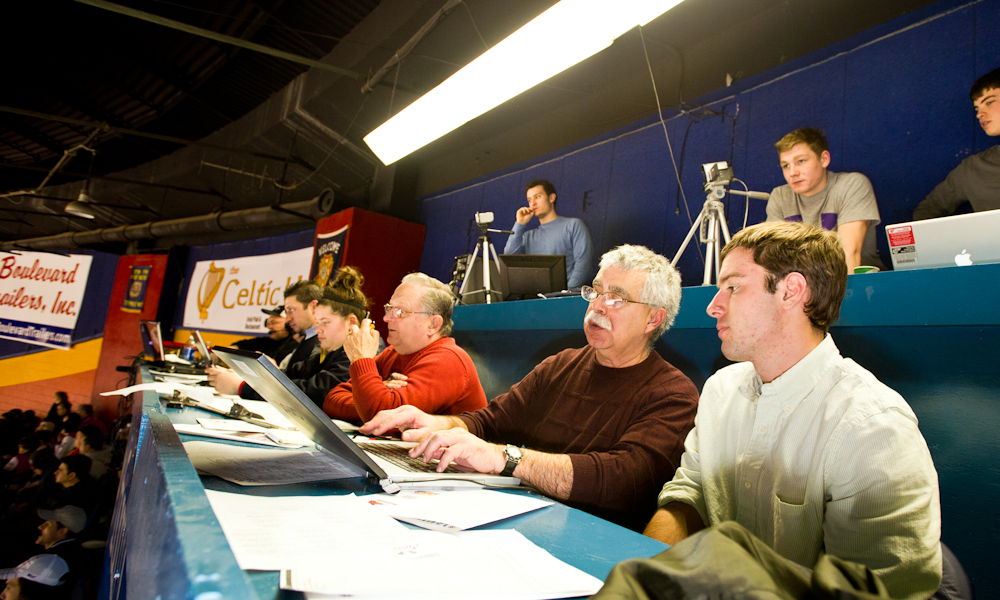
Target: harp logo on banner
{"x": 227, "y": 295}
{"x": 210, "y": 283}
{"x": 40, "y": 297}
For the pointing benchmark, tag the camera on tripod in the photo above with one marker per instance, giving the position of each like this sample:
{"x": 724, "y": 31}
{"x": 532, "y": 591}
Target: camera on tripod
{"x": 484, "y": 219}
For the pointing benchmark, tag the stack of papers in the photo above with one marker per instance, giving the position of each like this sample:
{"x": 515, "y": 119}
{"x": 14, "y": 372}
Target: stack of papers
{"x": 340, "y": 545}
{"x": 262, "y": 466}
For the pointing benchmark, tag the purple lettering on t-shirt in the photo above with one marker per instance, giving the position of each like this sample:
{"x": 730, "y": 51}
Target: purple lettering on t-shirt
{"x": 794, "y": 219}
{"x": 828, "y": 221}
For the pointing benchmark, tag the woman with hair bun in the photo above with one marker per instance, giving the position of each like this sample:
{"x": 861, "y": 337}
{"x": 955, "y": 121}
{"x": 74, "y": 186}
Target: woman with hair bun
{"x": 342, "y": 306}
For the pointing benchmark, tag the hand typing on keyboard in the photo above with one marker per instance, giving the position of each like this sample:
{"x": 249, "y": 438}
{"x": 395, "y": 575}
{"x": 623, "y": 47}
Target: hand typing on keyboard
{"x": 459, "y": 446}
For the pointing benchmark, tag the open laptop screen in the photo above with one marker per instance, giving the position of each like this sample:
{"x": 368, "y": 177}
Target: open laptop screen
{"x": 279, "y": 391}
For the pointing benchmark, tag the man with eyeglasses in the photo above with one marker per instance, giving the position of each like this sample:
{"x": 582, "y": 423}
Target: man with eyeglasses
{"x": 599, "y": 427}
{"x": 422, "y": 365}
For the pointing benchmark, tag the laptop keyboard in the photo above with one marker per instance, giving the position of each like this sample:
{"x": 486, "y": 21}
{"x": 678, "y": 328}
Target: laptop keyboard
{"x": 400, "y": 457}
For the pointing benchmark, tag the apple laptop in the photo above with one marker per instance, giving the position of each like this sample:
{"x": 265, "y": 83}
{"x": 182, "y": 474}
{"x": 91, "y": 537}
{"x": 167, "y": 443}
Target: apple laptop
{"x": 959, "y": 240}
{"x": 368, "y": 461}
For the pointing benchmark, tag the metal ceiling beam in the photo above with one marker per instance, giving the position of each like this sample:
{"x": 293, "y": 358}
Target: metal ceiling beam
{"x": 68, "y": 200}
{"x": 409, "y": 45}
{"x": 153, "y": 136}
{"x": 43, "y": 214}
{"x": 266, "y": 216}
{"x": 226, "y": 39}
{"x": 166, "y": 186}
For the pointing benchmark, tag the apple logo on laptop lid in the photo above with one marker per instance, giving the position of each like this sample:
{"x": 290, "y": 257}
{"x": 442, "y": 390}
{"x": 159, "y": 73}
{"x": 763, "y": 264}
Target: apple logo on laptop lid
{"x": 964, "y": 259}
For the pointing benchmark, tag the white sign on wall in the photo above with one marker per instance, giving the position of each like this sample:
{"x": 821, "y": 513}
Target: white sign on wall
{"x": 228, "y": 295}
{"x": 40, "y": 297}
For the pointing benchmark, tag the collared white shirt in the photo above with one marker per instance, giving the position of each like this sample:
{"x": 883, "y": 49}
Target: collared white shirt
{"x": 824, "y": 459}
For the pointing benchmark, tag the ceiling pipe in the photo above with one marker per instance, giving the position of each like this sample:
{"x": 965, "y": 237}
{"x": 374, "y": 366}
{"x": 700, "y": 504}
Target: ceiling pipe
{"x": 220, "y": 222}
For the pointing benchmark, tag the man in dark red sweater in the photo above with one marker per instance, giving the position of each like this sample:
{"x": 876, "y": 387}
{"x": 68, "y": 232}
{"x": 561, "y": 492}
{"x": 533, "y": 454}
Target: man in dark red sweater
{"x": 600, "y": 427}
{"x": 422, "y": 367}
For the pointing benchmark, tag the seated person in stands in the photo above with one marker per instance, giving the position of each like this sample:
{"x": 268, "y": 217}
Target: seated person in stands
{"x": 41, "y": 577}
{"x": 600, "y": 427}
{"x": 57, "y": 535}
{"x": 422, "y": 365}
{"x": 802, "y": 447}
{"x": 279, "y": 342}
{"x": 20, "y": 463}
{"x": 41, "y": 485}
{"x": 976, "y": 179}
{"x": 60, "y": 408}
{"x": 342, "y": 306}
{"x": 86, "y": 412}
{"x": 90, "y": 443}
{"x": 66, "y": 437}
{"x": 554, "y": 235}
{"x": 77, "y": 486}
{"x": 840, "y": 202}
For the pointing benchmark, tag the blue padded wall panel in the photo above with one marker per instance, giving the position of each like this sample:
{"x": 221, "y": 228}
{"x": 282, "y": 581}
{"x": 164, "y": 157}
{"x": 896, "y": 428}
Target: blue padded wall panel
{"x": 987, "y": 36}
{"x": 584, "y": 191}
{"x": 450, "y": 231}
{"x": 905, "y": 136}
{"x": 503, "y": 196}
{"x": 811, "y": 97}
{"x": 640, "y": 187}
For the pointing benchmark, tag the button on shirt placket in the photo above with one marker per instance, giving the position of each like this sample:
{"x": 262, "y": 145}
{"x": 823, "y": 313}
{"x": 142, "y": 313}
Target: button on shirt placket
{"x": 764, "y": 424}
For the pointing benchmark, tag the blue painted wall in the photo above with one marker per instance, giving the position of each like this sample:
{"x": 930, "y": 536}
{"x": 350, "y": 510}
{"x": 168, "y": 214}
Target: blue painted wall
{"x": 893, "y": 101}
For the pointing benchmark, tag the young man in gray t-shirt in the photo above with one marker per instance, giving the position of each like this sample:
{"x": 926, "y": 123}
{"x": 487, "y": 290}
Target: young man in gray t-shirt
{"x": 840, "y": 202}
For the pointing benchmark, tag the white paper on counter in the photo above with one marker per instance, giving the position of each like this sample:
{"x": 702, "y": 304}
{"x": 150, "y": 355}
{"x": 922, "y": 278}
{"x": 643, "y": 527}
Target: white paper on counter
{"x": 275, "y": 533}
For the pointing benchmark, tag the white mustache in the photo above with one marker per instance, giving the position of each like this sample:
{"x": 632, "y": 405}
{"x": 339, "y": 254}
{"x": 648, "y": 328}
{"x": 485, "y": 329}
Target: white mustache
{"x": 598, "y": 319}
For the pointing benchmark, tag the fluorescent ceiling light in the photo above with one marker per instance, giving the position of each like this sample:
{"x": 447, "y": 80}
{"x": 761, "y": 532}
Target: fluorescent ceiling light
{"x": 557, "y": 39}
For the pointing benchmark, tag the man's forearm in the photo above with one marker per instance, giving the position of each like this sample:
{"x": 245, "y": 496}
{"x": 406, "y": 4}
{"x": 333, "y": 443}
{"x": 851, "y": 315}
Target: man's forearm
{"x": 552, "y": 474}
{"x": 674, "y": 522}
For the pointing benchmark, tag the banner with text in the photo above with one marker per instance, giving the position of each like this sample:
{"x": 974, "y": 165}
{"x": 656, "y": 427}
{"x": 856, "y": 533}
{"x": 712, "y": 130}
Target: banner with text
{"x": 40, "y": 297}
{"x": 329, "y": 247}
{"x": 227, "y": 295}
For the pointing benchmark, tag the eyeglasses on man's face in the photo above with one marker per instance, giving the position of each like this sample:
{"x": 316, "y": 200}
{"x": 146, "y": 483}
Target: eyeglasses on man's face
{"x": 398, "y": 313}
{"x": 611, "y": 299}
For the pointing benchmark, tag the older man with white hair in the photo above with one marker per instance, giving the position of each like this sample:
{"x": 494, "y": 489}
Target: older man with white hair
{"x": 599, "y": 427}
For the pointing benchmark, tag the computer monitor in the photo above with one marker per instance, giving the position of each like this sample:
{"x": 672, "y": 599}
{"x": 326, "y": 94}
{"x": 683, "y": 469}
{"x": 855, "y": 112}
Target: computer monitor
{"x": 527, "y": 275}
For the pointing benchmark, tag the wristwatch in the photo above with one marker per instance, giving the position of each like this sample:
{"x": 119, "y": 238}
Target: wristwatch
{"x": 513, "y": 455}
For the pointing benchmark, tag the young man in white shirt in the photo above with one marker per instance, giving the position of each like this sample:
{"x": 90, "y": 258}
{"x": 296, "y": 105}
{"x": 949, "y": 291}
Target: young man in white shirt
{"x": 804, "y": 448}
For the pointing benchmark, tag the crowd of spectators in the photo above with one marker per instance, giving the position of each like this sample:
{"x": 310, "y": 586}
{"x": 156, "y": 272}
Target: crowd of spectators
{"x": 59, "y": 479}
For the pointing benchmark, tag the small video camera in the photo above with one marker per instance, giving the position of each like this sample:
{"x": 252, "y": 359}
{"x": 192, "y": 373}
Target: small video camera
{"x": 717, "y": 173}
{"x": 484, "y": 219}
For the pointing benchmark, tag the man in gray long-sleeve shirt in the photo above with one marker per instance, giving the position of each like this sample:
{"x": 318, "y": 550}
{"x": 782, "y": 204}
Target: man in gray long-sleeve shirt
{"x": 976, "y": 179}
{"x": 555, "y": 235}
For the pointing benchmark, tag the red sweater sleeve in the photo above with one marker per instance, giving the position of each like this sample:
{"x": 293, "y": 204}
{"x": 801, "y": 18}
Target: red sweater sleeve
{"x": 440, "y": 379}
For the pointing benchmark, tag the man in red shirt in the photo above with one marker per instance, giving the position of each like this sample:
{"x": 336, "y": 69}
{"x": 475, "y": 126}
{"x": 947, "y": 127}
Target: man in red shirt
{"x": 422, "y": 366}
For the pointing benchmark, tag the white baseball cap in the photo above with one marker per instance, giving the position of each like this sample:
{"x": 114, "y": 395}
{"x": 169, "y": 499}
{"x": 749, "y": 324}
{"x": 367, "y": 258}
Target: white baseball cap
{"x": 46, "y": 569}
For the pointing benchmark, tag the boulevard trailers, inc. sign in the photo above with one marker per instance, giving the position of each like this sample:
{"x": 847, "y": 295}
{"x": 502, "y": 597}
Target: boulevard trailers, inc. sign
{"x": 40, "y": 297}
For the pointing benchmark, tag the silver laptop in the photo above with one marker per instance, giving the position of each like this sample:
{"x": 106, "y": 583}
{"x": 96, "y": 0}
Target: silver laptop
{"x": 370, "y": 461}
{"x": 959, "y": 240}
